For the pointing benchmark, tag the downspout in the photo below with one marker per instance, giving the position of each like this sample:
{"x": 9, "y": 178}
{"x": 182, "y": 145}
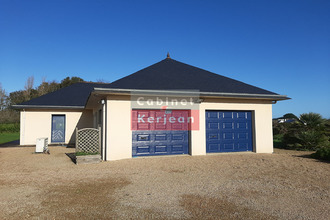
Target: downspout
{"x": 104, "y": 130}
{"x": 22, "y": 128}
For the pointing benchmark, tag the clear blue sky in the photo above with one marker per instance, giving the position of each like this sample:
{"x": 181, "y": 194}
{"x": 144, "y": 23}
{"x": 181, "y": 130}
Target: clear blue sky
{"x": 281, "y": 46}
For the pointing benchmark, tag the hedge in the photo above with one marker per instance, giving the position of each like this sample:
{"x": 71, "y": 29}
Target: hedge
{"x": 9, "y": 128}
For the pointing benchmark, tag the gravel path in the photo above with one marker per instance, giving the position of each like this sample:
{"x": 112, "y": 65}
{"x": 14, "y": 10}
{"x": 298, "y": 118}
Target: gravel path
{"x": 283, "y": 185}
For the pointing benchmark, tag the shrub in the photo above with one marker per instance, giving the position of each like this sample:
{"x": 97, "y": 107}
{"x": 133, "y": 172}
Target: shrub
{"x": 309, "y": 132}
{"x": 278, "y": 141}
{"x": 9, "y": 128}
{"x": 322, "y": 153}
{"x": 312, "y": 140}
{"x": 9, "y": 116}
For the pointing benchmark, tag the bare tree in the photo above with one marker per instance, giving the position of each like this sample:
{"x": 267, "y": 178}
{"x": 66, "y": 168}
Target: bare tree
{"x": 42, "y": 88}
{"x": 102, "y": 81}
{"x": 3, "y": 98}
{"x": 28, "y": 87}
{"x": 29, "y": 83}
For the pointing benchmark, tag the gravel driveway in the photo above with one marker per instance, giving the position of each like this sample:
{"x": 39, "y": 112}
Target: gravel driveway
{"x": 283, "y": 185}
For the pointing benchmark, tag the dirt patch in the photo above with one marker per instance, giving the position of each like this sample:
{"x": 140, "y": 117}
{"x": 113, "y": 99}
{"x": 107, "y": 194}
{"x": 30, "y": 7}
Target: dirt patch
{"x": 86, "y": 200}
{"x": 203, "y": 207}
{"x": 92, "y": 199}
{"x": 283, "y": 185}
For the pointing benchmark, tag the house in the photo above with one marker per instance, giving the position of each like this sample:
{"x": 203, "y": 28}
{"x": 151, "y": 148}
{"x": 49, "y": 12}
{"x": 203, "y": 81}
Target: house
{"x": 164, "y": 109}
{"x": 284, "y": 120}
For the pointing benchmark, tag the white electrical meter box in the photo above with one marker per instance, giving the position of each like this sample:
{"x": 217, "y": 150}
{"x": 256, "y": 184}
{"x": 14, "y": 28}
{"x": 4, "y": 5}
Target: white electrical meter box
{"x": 42, "y": 144}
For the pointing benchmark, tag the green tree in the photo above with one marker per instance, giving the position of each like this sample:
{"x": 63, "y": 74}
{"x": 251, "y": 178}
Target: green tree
{"x": 8, "y": 115}
{"x": 327, "y": 128}
{"x": 280, "y": 128}
{"x": 47, "y": 87}
{"x": 17, "y": 97}
{"x": 69, "y": 81}
{"x": 290, "y": 116}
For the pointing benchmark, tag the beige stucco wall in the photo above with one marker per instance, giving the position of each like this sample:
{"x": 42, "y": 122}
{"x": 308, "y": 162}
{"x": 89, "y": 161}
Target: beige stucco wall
{"x": 261, "y": 125}
{"x": 119, "y": 134}
{"x": 38, "y": 123}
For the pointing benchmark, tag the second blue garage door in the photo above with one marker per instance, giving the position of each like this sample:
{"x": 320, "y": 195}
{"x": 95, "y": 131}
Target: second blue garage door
{"x": 228, "y": 131}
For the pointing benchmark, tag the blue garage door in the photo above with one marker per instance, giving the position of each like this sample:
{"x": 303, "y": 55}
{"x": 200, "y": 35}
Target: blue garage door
{"x": 228, "y": 131}
{"x": 158, "y": 138}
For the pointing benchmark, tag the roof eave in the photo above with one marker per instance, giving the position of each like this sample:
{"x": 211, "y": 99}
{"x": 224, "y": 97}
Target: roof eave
{"x": 46, "y": 107}
{"x": 246, "y": 96}
{"x": 110, "y": 91}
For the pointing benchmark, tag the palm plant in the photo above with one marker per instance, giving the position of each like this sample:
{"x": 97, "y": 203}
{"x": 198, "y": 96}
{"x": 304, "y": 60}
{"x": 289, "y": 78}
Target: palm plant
{"x": 312, "y": 132}
{"x": 308, "y": 133}
{"x": 312, "y": 120}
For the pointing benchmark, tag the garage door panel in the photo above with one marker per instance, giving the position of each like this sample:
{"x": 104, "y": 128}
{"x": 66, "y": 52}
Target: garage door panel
{"x": 142, "y": 150}
{"x": 241, "y": 115}
{"x": 229, "y": 146}
{"x": 177, "y": 126}
{"x": 143, "y": 137}
{"x": 178, "y": 137}
{"x": 213, "y": 136}
{"x": 243, "y": 146}
{"x": 161, "y": 149}
{"x": 214, "y": 147}
{"x": 233, "y": 133}
{"x": 227, "y": 125}
{"x": 213, "y": 125}
{"x": 242, "y": 125}
{"x": 228, "y": 136}
{"x": 159, "y": 126}
{"x": 242, "y": 136}
{"x": 212, "y": 115}
{"x": 227, "y": 115}
{"x": 143, "y": 126}
{"x": 177, "y": 148}
{"x": 161, "y": 137}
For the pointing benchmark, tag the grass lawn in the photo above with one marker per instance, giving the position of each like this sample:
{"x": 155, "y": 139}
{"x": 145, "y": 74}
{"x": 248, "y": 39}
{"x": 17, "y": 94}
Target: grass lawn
{"x": 7, "y": 137}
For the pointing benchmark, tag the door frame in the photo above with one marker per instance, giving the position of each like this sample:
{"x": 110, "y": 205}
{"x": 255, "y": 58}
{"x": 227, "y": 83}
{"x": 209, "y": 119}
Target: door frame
{"x": 51, "y": 131}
